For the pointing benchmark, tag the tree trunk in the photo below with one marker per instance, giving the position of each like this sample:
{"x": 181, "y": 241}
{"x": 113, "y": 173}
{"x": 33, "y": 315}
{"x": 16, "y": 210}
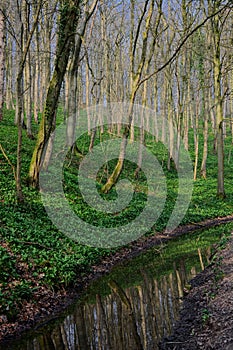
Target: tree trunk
{"x": 135, "y": 84}
{"x": 218, "y": 104}
{"x": 72, "y": 80}
{"x": 69, "y": 14}
{"x": 19, "y": 98}
{"x": 9, "y": 75}
{"x": 117, "y": 170}
{"x": 27, "y": 81}
{"x": 36, "y": 78}
{"x": 205, "y": 146}
{"x": 2, "y": 60}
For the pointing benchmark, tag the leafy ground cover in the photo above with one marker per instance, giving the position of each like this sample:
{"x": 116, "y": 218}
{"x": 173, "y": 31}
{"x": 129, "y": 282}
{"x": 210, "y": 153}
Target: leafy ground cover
{"x": 35, "y": 255}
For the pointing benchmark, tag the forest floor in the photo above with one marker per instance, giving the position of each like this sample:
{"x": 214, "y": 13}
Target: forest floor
{"x": 206, "y": 319}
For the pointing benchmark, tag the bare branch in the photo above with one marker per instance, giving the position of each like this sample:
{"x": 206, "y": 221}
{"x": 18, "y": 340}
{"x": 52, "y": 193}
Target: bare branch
{"x": 8, "y": 160}
{"x": 172, "y": 58}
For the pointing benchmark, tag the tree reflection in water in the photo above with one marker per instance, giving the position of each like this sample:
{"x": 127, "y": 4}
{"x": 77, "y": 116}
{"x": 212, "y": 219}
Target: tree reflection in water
{"x": 136, "y": 317}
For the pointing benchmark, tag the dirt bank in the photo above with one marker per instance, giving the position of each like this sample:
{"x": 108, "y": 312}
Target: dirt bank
{"x": 206, "y": 318}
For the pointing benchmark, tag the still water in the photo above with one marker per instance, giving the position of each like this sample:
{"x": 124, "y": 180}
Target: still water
{"x": 133, "y": 307}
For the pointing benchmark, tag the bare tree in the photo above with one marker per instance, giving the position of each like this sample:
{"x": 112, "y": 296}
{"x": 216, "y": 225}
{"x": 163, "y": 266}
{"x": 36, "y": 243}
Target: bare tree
{"x": 136, "y": 74}
{"x": 19, "y": 97}
{"x": 2, "y": 57}
{"x": 70, "y": 11}
{"x": 216, "y": 30}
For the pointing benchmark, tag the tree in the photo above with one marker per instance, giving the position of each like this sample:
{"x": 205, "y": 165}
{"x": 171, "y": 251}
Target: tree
{"x": 72, "y": 79}
{"x": 136, "y": 74}
{"x": 19, "y": 97}
{"x": 216, "y": 30}
{"x": 70, "y": 11}
{"x": 139, "y": 79}
{"x": 174, "y": 59}
{"x": 2, "y": 57}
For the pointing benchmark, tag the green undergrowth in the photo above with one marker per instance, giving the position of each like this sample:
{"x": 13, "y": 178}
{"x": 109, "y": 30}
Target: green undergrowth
{"x": 34, "y": 253}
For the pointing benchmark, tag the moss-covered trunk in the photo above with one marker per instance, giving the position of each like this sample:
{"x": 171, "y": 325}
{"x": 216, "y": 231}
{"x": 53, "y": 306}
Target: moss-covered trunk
{"x": 118, "y": 168}
{"x": 218, "y": 103}
{"x": 136, "y": 74}
{"x": 2, "y": 61}
{"x": 69, "y": 14}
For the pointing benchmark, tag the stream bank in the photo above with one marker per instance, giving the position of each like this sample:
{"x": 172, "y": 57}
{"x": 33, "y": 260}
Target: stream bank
{"x": 50, "y": 303}
{"x": 206, "y": 320}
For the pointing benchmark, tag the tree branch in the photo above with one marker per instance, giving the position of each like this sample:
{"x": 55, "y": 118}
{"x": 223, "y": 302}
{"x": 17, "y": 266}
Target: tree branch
{"x": 172, "y": 58}
{"x": 8, "y": 160}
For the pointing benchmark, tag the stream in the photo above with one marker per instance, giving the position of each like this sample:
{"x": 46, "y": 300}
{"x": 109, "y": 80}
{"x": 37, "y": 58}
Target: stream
{"x": 133, "y": 306}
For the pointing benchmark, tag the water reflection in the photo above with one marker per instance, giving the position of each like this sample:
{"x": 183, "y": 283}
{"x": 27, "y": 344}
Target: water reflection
{"x": 134, "y": 318}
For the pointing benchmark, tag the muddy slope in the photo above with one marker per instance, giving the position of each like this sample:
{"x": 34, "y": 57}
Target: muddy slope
{"x": 206, "y": 317}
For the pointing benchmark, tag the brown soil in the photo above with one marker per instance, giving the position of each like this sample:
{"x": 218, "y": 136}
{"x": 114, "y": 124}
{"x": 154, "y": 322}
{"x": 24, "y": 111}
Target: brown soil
{"x": 48, "y": 304}
{"x": 206, "y": 317}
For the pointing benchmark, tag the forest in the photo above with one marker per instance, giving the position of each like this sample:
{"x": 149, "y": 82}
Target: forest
{"x": 115, "y": 125}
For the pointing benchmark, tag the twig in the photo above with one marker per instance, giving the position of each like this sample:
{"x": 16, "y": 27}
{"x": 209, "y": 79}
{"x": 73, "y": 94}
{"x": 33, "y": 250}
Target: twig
{"x": 197, "y": 223}
{"x": 8, "y": 160}
{"x": 34, "y": 243}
